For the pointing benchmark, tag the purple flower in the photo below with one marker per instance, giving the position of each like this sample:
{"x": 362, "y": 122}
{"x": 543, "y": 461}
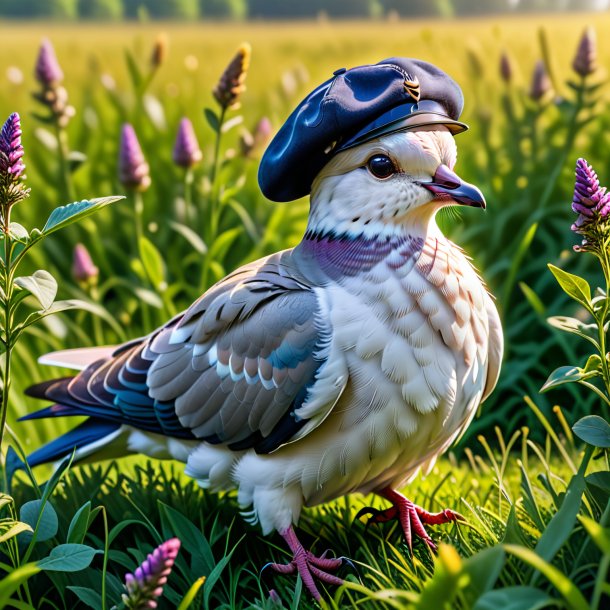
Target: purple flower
{"x": 134, "y": 172}
{"x": 541, "y": 83}
{"x": 186, "y": 149}
{"x": 11, "y": 149}
{"x": 145, "y": 585}
{"x": 591, "y": 202}
{"x": 48, "y": 71}
{"x": 585, "y": 60}
{"x": 232, "y": 81}
{"x": 506, "y": 68}
{"x": 83, "y": 269}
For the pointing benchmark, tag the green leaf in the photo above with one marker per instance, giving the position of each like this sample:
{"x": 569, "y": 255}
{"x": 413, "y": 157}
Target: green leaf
{"x": 68, "y": 558}
{"x": 193, "y": 238}
{"x": 599, "y": 534}
{"x": 152, "y": 262}
{"x": 212, "y": 119}
{"x": 191, "y": 537}
{"x": 79, "y": 524}
{"x": 576, "y": 327}
{"x": 483, "y": 568}
{"x": 134, "y": 71}
{"x": 88, "y": 596}
{"x": 594, "y": 430}
{"x": 514, "y": 598}
{"x": 5, "y": 500}
{"x": 41, "y": 285}
{"x": 574, "y": 286}
{"x": 223, "y": 242}
{"x": 568, "y": 590}
{"x": 19, "y": 232}
{"x": 9, "y": 528}
{"x": 566, "y": 374}
{"x": 532, "y": 298}
{"x": 42, "y": 513}
{"x": 14, "y": 579}
{"x": 67, "y": 214}
{"x": 215, "y": 575}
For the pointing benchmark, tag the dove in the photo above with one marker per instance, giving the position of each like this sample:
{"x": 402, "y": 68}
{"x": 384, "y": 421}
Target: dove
{"x": 346, "y": 364}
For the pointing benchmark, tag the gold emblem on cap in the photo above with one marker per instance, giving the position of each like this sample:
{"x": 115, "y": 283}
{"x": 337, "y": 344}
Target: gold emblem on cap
{"x": 412, "y": 87}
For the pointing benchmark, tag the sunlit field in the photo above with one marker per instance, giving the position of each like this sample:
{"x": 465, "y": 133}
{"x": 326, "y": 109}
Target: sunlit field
{"x": 524, "y": 538}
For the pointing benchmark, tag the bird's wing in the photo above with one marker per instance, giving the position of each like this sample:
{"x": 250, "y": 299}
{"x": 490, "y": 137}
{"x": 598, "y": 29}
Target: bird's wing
{"x": 496, "y": 348}
{"x": 238, "y": 368}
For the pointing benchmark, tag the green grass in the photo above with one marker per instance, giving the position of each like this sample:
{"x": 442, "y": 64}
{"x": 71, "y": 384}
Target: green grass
{"x": 525, "y": 168}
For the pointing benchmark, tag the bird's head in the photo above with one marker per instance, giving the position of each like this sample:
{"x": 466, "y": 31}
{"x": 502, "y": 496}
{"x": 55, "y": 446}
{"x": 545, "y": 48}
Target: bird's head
{"x": 399, "y": 179}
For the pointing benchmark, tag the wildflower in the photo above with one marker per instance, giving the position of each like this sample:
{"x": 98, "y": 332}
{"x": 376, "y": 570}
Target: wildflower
{"x": 50, "y": 75}
{"x": 159, "y": 52}
{"x": 250, "y": 143}
{"x": 585, "y": 60}
{"x": 12, "y": 167}
{"x": 48, "y": 71}
{"x": 591, "y": 202}
{"x": 134, "y": 172}
{"x": 541, "y": 83}
{"x": 83, "y": 269}
{"x": 186, "y": 149}
{"x": 506, "y": 68}
{"x": 231, "y": 84}
{"x": 145, "y": 585}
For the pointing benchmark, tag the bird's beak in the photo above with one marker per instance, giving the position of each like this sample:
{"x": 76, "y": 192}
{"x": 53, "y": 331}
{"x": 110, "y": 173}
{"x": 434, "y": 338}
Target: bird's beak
{"x": 446, "y": 184}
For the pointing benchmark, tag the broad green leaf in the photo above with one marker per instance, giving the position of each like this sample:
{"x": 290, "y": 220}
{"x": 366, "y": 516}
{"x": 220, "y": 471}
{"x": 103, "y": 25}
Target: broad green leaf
{"x": 152, "y": 262}
{"x": 594, "y": 430}
{"x": 599, "y": 534}
{"x": 88, "y": 596}
{"x": 574, "y": 286}
{"x": 148, "y": 296}
{"x": 41, "y": 285}
{"x": 576, "y": 327}
{"x": 189, "y": 598}
{"x": 514, "y": 598}
{"x": 513, "y": 533}
{"x": 68, "y": 558}
{"x": 594, "y": 364}
{"x": 483, "y": 568}
{"x": 566, "y": 588}
{"x": 119, "y": 527}
{"x": 19, "y": 232}
{"x": 67, "y": 214}
{"x": 9, "y": 528}
{"x": 79, "y": 524}
{"x": 41, "y": 513}
{"x": 212, "y": 119}
{"x": 191, "y": 537}
{"x": 566, "y": 374}
{"x": 440, "y": 590}
{"x": 14, "y": 579}
{"x": 193, "y": 238}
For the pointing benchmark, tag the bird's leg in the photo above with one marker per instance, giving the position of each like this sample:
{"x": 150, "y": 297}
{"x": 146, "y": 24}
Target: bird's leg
{"x": 307, "y": 565}
{"x": 412, "y": 518}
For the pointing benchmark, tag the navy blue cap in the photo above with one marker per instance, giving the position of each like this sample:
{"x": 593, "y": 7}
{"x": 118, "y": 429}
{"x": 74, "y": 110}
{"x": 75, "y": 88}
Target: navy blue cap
{"x": 351, "y": 108}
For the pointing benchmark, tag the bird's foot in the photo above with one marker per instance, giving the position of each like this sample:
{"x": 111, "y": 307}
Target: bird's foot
{"x": 308, "y": 566}
{"x": 412, "y": 518}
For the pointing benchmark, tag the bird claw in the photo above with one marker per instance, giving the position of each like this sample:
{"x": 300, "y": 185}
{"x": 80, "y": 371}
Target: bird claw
{"x": 309, "y": 566}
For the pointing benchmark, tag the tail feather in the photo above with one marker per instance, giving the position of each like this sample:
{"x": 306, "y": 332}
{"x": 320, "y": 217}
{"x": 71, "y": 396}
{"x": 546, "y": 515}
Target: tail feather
{"x": 85, "y": 438}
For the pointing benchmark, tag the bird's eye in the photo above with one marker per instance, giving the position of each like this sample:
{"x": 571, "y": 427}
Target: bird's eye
{"x": 381, "y": 166}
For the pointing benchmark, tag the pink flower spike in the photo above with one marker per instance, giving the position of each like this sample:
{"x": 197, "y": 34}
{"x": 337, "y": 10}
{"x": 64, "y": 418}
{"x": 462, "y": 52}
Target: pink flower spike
{"x": 186, "y": 149}
{"x": 48, "y": 71}
{"x": 134, "y": 172}
{"x": 83, "y": 269}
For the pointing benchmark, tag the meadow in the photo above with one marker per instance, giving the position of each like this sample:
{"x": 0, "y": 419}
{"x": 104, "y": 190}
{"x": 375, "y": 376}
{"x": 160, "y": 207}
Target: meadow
{"x": 535, "y": 498}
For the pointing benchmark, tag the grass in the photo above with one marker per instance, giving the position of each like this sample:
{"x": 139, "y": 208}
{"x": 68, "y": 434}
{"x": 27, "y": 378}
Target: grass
{"x": 510, "y": 487}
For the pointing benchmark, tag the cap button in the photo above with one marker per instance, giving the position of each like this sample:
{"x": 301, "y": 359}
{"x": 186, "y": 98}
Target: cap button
{"x": 339, "y": 71}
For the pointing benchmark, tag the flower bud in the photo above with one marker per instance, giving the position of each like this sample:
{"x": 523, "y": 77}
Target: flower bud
{"x": 585, "y": 60}
{"x": 83, "y": 269}
{"x": 159, "y": 52}
{"x": 134, "y": 172}
{"x": 186, "y": 149}
{"x": 48, "y": 71}
{"x": 506, "y": 68}
{"x": 231, "y": 84}
{"x": 541, "y": 83}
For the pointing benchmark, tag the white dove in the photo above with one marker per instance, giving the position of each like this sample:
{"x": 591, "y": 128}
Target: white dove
{"x": 346, "y": 364}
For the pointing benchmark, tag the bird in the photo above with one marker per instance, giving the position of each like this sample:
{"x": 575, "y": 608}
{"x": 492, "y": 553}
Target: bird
{"x": 346, "y": 364}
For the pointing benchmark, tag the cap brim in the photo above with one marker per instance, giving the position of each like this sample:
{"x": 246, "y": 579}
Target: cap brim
{"x": 412, "y": 121}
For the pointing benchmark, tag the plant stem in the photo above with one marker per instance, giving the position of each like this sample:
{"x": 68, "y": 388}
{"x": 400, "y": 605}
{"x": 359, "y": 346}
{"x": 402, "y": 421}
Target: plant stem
{"x": 64, "y": 170}
{"x": 138, "y": 211}
{"x": 8, "y": 294}
{"x": 188, "y": 196}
